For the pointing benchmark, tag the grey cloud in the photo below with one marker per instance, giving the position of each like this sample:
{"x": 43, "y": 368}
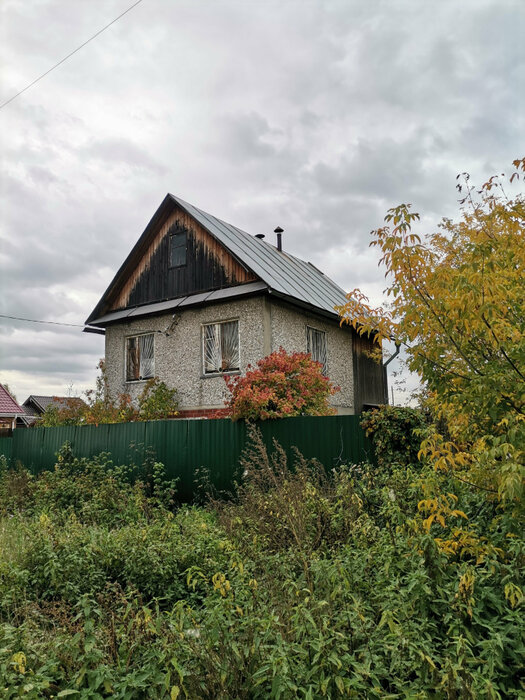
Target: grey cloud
{"x": 390, "y": 172}
{"x": 246, "y": 138}
{"x": 42, "y": 176}
{"x": 47, "y": 349}
{"x": 316, "y": 116}
{"x": 120, "y": 151}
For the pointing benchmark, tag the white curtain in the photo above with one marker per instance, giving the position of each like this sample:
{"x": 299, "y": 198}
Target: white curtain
{"x": 147, "y": 356}
{"x": 212, "y": 348}
{"x": 316, "y": 346}
{"x": 230, "y": 345}
{"x": 221, "y": 347}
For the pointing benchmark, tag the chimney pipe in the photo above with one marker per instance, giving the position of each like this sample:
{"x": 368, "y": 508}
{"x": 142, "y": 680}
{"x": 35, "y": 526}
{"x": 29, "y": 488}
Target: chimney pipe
{"x": 279, "y": 232}
{"x": 259, "y": 235}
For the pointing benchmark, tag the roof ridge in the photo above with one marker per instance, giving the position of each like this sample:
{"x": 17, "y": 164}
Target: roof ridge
{"x": 285, "y": 274}
{"x": 317, "y": 279}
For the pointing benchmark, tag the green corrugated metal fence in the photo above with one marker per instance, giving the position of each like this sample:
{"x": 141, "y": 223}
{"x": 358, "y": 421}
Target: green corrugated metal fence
{"x": 186, "y": 447}
{"x": 6, "y": 444}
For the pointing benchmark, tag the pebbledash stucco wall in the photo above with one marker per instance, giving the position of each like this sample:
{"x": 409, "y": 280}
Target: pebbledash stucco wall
{"x": 264, "y": 326}
{"x": 288, "y": 328}
{"x": 178, "y": 355}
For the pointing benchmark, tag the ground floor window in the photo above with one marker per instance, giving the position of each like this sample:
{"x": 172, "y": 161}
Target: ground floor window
{"x": 221, "y": 347}
{"x": 316, "y": 346}
{"x": 140, "y": 357}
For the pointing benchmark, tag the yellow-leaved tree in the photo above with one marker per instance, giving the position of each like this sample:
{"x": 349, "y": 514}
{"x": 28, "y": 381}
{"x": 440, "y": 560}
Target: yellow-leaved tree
{"x": 457, "y": 305}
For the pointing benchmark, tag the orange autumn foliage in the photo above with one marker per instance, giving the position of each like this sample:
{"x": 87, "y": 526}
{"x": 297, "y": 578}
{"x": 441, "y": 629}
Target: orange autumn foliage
{"x": 283, "y": 385}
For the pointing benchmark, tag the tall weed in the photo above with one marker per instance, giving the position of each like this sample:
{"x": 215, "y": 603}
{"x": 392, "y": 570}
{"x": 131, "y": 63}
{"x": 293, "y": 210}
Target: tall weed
{"x": 309, "y": 585}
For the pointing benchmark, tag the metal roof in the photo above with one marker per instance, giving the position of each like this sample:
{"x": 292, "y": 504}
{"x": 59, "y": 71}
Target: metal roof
{"x": 35, "y": 405}
{"x": 283, "y": 273}
{"x": 279, "y": 272}
{"x": 191, "y": 300}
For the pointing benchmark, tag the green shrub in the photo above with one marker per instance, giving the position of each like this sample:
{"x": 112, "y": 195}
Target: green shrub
{"x": 149, "y": 557}
{"x": 395, "y": 432}
{"x": 157, "y": 401}
{"x": 16, "y": 489}
{"x": 94, "y": 490}
{"x": 299, "y": 507}
{"x": 309, "y": 585}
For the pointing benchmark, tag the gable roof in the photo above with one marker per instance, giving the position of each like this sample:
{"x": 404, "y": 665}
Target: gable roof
{"x": 36, "y": 405}
{"x": 8, "y": 406}
{"x": 280, "y": 273}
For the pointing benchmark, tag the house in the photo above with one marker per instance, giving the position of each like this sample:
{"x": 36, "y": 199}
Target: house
{"x": 9, "y": 412}
{"x": 34, "y": 406}
{"x": 197, "y": 298}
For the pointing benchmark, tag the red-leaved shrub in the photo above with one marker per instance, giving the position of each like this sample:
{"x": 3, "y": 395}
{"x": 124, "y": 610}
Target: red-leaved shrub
{"x": 283, "y": 385}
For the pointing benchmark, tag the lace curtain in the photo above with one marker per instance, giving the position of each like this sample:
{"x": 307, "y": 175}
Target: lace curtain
{"x": 147, "y": 357}
{"x": 316, "y": 346}
{"x": 140, "y": 357}
{"x": 221, "y": 347}
{"x": 212, "y": 348}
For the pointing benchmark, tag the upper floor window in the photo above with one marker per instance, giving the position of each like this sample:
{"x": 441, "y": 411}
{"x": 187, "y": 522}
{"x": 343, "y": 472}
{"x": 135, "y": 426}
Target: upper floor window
{"x": 221, "y": 347}
{"x": 178, "y": 246}
{"x": 316, "y": 346}
{"x": 140, "y": 357}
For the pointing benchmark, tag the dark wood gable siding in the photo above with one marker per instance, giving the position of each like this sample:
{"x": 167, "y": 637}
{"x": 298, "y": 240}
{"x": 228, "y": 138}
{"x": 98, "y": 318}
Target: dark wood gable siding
{"x": 369, "y": 375}
{"x": 208, "y": 266}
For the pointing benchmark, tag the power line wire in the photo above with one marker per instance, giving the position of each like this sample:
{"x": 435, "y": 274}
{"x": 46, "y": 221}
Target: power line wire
{"x": 33, "y": 320}
{"x": 69, "y": 55}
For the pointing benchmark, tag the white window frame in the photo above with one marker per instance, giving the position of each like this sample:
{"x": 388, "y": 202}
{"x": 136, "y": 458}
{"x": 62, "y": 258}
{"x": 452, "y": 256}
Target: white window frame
{"x": 221, "y": 372}
{"x": 324, "y": 364}
{"x": 137, "y": 336}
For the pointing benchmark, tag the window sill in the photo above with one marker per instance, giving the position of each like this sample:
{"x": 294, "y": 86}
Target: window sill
{"x": 137, "y": 381}
{"x": 214, "y": 375}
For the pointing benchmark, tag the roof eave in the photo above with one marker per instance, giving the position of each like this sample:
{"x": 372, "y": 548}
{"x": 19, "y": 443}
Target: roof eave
{"x": 90, "y": 329}
{"x": 201, "y": 299}
{"x": 305, "y": 305}
{"x": 39, "y": 405}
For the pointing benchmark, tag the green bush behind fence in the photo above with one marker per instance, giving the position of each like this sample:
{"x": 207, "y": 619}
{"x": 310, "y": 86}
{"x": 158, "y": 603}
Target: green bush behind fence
{"x": 187, "y": 447}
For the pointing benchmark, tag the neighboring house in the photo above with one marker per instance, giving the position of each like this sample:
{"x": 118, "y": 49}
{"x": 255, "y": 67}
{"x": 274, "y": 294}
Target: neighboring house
{"x": 9, "y": 412}
{"x": 198, "y": 298}
{"x": 34, "y": 406}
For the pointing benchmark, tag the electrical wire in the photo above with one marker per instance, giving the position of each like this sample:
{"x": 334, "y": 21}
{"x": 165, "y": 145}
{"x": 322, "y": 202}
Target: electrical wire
{"x": 33, "y": 320}
{"x": 4, "y": 104}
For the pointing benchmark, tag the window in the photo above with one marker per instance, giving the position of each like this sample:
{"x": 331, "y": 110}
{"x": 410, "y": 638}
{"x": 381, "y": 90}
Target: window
{"x": 140, "y": 357}
{"x": 221, "y": 347}
{"x": 316, "y": 346}
{"x": 178, "y": 244}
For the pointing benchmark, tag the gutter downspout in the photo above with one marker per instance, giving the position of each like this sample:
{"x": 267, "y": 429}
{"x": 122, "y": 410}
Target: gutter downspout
{"x": 392, "y": 357}
{"x": 385, "y": 365}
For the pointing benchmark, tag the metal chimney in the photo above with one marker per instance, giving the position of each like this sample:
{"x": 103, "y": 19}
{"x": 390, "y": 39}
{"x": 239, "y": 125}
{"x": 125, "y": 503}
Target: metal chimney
{"x": 259, "y": 235}
{"x": 279, "y": 232}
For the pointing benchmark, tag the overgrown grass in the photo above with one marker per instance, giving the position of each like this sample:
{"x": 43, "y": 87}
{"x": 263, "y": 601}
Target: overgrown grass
{"x": 308, "y": 585}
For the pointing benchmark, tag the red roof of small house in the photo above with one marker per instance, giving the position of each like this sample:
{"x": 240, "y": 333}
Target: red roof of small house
{"x": 8, "y": 406}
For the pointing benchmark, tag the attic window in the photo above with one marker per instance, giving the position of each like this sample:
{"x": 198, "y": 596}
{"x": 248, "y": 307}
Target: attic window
{"x": 221, "y": 347}
{"x": 316, "y": 346}
{"x": 140, "y": 357}
{"x": 178, "y": 245}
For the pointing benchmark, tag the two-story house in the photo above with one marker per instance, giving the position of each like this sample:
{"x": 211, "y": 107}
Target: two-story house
{"x": 197, "y": 298}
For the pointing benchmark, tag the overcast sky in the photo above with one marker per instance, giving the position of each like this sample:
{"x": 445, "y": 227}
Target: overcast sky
{"x": 313, "y": 115}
